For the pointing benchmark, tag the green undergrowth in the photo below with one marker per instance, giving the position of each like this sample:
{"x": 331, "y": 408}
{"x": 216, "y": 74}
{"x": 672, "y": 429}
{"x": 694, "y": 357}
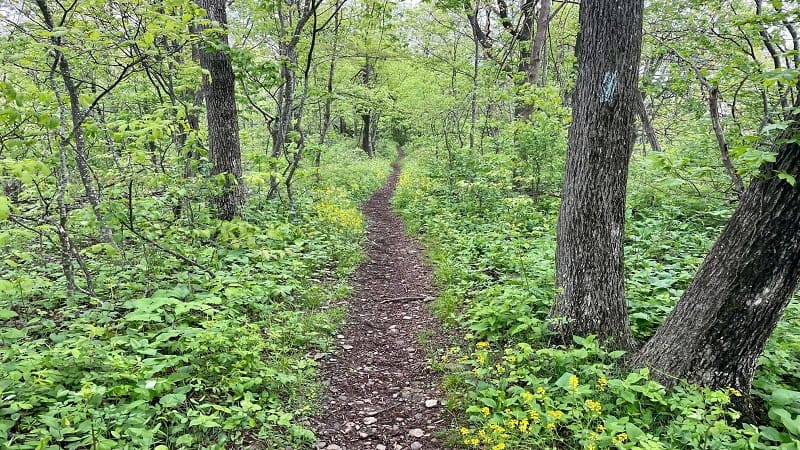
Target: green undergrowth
{"x": 493, "y": 248}
{"x": 167, "y": 356}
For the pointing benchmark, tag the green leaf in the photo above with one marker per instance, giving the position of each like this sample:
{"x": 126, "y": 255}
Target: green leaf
{"x": 634, "y": 432}
{"x": 172, "y": 400}
{"x": 789, "y": 178}
{"x": 785, "y": 418}
{"x": 771, "y": 434}
{"x": 5, "y": 208}
{"x": 6, "y": 314}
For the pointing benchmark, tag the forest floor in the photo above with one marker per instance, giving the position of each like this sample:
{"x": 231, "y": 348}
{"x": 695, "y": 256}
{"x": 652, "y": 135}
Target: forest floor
{"x": 381, "y": 393}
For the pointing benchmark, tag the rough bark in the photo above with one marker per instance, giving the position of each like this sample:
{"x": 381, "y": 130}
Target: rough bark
{"x": 589, "y": 255}
{"x": 223, "y": 126}
{"x": 717, "y": 331}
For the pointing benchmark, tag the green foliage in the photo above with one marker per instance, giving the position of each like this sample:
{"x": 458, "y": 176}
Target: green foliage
{"x": 167, "y": 357}
{"x": 574, "y": 397}
{"x": 493, "y": 251}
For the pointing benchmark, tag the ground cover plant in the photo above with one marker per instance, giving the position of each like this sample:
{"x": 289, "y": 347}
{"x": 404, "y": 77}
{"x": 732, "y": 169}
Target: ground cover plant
{"x": 167, "y": 356}
{"x": 514, "y": 389}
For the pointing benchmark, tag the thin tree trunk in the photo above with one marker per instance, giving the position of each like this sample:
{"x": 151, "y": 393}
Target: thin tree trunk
{"x": 77, "y": 116}
{"x": 591, "y": 222}
{"x": 717, "y": 331}
{"x": 647, "y": 125}
{"x": 326, "y": 112}
{"x": 367, "y": 121}
{"x": 719, "y": 132}
{"x": 223, "y": 127}
{"x": 542, "y": 25}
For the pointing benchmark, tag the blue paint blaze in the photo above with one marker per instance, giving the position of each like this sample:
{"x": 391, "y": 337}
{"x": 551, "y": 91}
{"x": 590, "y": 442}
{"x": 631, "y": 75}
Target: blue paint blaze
{"x": 609, "y": 86}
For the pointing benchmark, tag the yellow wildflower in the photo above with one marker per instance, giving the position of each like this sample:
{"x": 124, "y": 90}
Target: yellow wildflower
{"x": 500, "y": 446}
{"x": 534, "y": 415}
{"x": 464, "y": 431}
{"x": 733, "y": 391}
{"x": 551, "y": 427}
{"x": 482, "y": 344}
{"x": 594, "y": 406}
{"x": 500, "y": 368}
{"x": 555, "y": 415}
{"x": 523, "y": 425}
{"x": 481, "y": 357}
{"x": 573, "y": 382}
{"x": 486, "y": 411}
{"x": 507, "y": 411}
{"x": 620, "y": 438}
{"x": 527, "y": 397}
{"x": 601, "y": 428}
{"x": 591, "y": 447}
{"x": 540, "y": 392}
{"x": 602, "y": 383}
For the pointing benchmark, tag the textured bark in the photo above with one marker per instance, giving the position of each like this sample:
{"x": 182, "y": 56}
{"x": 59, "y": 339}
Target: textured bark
{"x": 589, "y": 255}
{"x": 717, "y": 331}
{"x": 223, "y": 126}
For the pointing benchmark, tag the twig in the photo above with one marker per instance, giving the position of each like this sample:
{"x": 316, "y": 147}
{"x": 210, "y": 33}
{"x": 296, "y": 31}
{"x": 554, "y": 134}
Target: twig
{"x": 129, "y": 225}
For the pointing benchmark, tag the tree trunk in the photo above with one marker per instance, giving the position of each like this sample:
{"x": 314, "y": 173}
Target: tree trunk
{"x": 717, "y": 331}
{"x": 367, "y": 121}
{"x": 77, "y": 115}
{"x": 647, "y": 125}
{"x": 542, "y": 23}
{"x": 589, "y": 255}
{"x": 326, "y": 112}
{"x": 223, "y": 126}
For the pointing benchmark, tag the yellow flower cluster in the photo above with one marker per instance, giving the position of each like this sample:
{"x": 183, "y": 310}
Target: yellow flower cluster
{"x": 573, "y": 382}
{"x": 346, "y": 219}
{"x": 594, "y": 406}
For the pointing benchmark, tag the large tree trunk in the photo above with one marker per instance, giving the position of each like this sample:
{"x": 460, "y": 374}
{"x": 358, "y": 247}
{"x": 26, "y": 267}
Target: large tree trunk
{"x": 717, "y": 331}
{"x": 223, "y": 126}
{"x": 589, "y": 255}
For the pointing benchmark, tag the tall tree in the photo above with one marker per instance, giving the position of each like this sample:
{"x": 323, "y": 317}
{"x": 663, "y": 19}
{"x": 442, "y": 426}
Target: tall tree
{"x": 223, "y": 126}
{"x": 589, "y": 255}
{"x": 717, "y": 331}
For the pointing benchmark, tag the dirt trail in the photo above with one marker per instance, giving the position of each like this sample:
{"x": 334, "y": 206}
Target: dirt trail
{"x": 381, "y": 393}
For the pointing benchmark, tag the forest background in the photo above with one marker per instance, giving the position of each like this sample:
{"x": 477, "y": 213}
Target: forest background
{"x": 180, "y": 192}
